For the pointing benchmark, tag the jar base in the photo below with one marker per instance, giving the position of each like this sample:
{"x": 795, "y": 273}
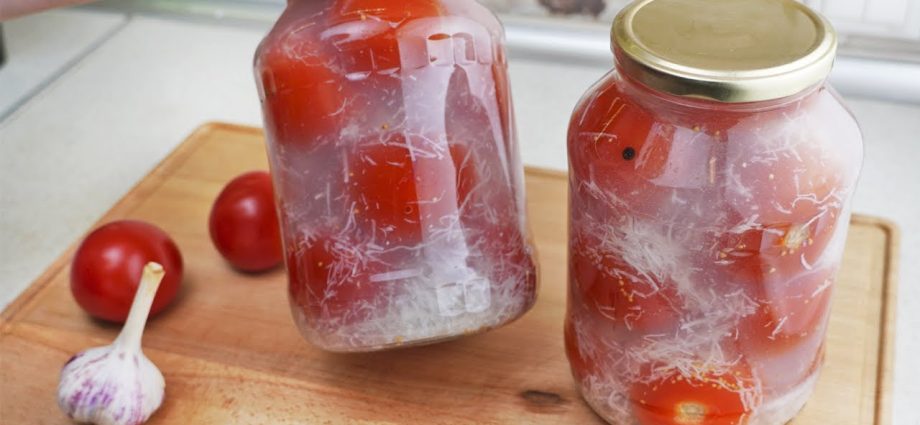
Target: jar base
{"x": 778, "y": 411}
{"x": 783, "y": 410}
{"x": 365, "y": 337}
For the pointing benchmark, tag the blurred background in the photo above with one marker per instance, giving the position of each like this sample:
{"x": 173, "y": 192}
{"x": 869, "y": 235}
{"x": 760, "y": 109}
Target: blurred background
{"x": 92, "y": 97}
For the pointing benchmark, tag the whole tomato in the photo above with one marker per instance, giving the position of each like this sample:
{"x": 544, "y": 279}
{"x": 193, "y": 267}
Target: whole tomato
{"x": 613, "y": 291}
{"x": 786, "y": 200}
{"x": 243, "y": 223}
{"x": 108, "y": 264}
{"x": 402, "y": 196}
{"x": 707, "y": 398}
{"x": 790, "y": 310}
{"x": 330, "y": 282}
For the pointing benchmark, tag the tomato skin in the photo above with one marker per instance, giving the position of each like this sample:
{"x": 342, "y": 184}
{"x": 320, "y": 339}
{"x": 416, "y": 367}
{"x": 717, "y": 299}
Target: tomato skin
{"x": 349, "y": 10}
{"x": 769, "y": 252}
{"x": 243, "y": 223}
{"x": 790, "y": 310}
{"x": 796, "y": 218}
{"x": 108, "y": 264}
{"x": 383, "y": 185}
{"x": 401, "y": 197}
{"x": 786, "y": 200}
{"x": 621, "y": 154}
{"x": 328, "y": 283}
{"x": 611, "y": 291}
{"x": 300, "y": 94}
{"x": 301, "y": 68}
{"x": 680, "y": 400}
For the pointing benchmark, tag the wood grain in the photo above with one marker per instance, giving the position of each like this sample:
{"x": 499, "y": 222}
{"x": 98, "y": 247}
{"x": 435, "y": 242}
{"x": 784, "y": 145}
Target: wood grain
{"x": 231, "y": 354}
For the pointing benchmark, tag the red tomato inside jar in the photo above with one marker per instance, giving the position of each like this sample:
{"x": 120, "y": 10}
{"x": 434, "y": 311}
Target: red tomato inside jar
{"x": 711, "y": 176}
{"x": 395, "y": 164}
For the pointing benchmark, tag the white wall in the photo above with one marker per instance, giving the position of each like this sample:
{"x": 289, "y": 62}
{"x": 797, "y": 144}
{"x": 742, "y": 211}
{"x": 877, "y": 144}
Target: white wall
{"x": 886, "y": 18}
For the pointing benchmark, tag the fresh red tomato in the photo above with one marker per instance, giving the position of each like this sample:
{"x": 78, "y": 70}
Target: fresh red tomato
{"x": 107, "y": 268}
{"x": 791, "y": 309}
{"x": 616, "y": 292}
{"x": 708, "y": 399}
{"x": 244, "y": 225}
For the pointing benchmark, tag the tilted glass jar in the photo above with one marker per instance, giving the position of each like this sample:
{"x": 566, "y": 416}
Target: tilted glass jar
{"x": 393, "y": 151}
{"x": 710, "y": 180}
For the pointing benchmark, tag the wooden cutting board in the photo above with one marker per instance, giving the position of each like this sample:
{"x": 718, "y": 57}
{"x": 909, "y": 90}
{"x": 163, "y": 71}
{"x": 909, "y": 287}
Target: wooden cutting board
{"x": 231, "y": 354}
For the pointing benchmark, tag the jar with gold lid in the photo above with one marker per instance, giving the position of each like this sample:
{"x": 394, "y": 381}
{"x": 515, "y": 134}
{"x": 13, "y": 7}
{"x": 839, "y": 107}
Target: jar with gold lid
{"x": 710, "y": 180}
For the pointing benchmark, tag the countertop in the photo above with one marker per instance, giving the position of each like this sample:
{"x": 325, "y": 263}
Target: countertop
{"x": 110, "y": 95}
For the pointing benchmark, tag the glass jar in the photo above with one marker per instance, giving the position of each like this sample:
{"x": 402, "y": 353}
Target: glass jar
{"x": 710, "y": 181}
{"x": 393, "y": 152}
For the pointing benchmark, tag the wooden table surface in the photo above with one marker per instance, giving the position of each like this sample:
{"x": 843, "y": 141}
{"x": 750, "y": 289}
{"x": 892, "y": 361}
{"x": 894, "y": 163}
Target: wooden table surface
{"x": 231, "y": 354}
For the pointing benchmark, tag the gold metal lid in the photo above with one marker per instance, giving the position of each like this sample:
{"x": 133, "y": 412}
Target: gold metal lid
{"x": 725, "y": 50}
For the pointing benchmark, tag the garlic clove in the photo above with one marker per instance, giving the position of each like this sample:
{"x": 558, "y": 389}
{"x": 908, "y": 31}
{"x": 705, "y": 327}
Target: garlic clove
{"x": 116, "y": 384}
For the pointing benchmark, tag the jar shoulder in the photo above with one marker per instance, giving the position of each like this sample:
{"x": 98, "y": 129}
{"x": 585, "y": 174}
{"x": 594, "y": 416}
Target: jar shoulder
{"x": 613, "y": 105}
{"x": 307, "y": 31}
{"x": 616, "y": 123}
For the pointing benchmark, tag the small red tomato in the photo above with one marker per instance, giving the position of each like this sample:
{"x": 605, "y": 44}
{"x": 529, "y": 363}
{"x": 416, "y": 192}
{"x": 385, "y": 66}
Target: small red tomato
{"x": 331, "y": 283}
{"x": 243, "y": 223}
{"x": 709, "y": 399}
{"x": 782, "y": 185}
{"x": 619, "y": 293}
{"x": 765, "y": 252}
{"x": 623, "y": 156}
{"x": 795, "y": 209}
{"x": 405, "y": 196}
{"x": 790, "y": 310}
{"x": 297, "y": 86}
{"x": 107, "y": 268}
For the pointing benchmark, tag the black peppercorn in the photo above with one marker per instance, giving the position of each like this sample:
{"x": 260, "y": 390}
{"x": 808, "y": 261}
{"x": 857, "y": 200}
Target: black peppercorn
{"x": 629, "y": 154}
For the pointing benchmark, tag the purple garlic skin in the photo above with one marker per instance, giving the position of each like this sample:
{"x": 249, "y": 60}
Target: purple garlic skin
{"x": 116, "y": 384}
{"x": 110, "y": 386}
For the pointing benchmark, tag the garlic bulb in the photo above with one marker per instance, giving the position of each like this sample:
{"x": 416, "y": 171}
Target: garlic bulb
{"x": 116, "y": 384}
